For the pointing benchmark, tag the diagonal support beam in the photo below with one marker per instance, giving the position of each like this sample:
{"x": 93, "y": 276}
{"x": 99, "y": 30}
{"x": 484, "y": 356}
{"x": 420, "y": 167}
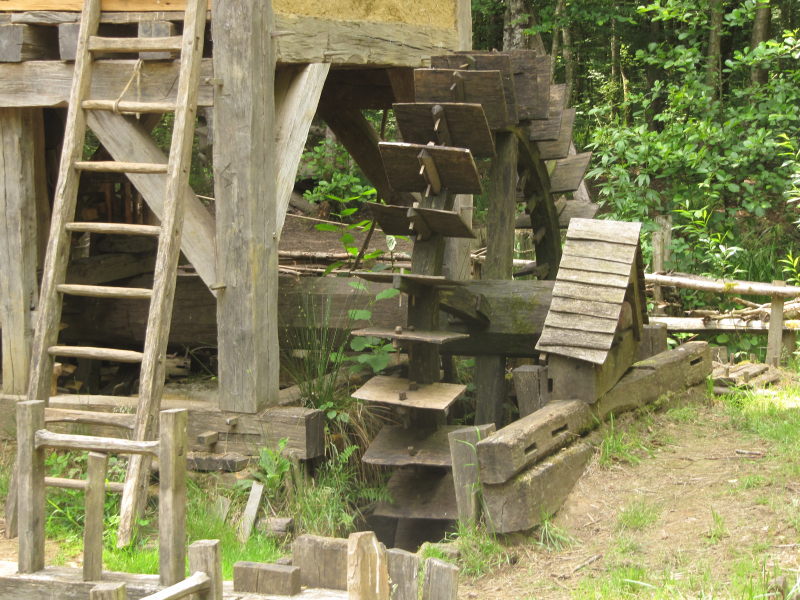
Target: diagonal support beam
{"x": 128, "y": 141}
{"x": 297, "y": 94}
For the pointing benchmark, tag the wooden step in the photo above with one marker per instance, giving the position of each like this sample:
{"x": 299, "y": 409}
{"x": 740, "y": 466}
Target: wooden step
{"x": 415, "y": 167}
{"x": 396, "y": 446}
{"x": 138, "y": 44}
{"x": 111, "y": 166}
{"x": 115, "y": 228}
{"x": 420, "y": 494}
{"x": 123, "y": 356}
{"x": 446, "y": 124}
{"x": 128, "y": 106}
{"x": 401, "y": 220}
{"x": 395, "y": 391}
{"x": 105, "y": 291}
{"x": 405, "y": 335}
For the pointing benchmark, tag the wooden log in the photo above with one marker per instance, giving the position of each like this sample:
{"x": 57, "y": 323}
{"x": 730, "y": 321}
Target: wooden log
{"x": 172, "y": 496}
{"x": 20, "y": 189}
{"x": 322, "y": 561}
{"x": 109, "y": 591}
{"x": 775, "y": 334}
{"x": 403, "y": 574}
{"x": 92, "y": 443}
{"x": 719, "y": 286}
{"x": 247, "y": 206}
{"x": 367, "y": 567}
{"x": 30, "y": 489}
{"x": 465, "y": 469}
{"x": 532, "y": 388}
{"x": 440, "y": 580}
{"x": 264, "y": 578}
{"x": 156, "y": 29}
{"x": 490, "y": 388}
{"x": 93, "y": 520}
{"x": 68, "y": 40}
{"x": 537, "y": 493}
{"x": 530, "y": 439}
{"x": 26, "y": 42}
{"x": 80, "y": 484}
{"x": 251, "y": 511}
{"x": 205, "y": 556}
{"x": 700, "y": 324}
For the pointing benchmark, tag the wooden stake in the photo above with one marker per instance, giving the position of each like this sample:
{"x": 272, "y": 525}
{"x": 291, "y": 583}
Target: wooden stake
{"x": 205, "y": 557}
{"x": 775, "y": 334}
{"x": 465, "y": 469}
{"x": 30, "y": 492}
{"x": 109, "y": 591}
{"x": 367, "y": 568}
{"x": 93, "y": 521}
{"x": 172, "y": 496}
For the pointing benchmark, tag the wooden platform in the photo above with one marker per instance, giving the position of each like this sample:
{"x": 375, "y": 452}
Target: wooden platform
{"x": 455, "y": 168}
{"x": 420, "y": 494}
{"x": 466, "y": 126}
{"x": 399, "y": 447}
{"x": 387, "y": 390}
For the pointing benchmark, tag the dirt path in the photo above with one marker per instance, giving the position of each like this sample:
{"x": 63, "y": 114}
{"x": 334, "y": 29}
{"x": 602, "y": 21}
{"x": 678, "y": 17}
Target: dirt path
{"x": 694, "y": 516}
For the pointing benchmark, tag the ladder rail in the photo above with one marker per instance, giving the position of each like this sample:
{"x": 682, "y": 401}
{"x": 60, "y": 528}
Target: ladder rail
{"x": 151, "y": 382}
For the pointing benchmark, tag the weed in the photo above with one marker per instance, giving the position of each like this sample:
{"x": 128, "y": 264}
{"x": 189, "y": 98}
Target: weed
{"x": 718, "y": 529}
{"x": 627, "y": 546}
{"x": 638, "y": 515}
{"x": 683, "y": 414}
{"x": 749, "y": 482}
{"x": 552, "y": 537}
{"x": 620, "y": 446}
{"x": 479, "y": 552}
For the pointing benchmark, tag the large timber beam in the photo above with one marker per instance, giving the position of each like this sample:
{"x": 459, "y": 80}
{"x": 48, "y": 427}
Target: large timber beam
{"x": 246, "y": 204}
{"x": 128, "y": 141}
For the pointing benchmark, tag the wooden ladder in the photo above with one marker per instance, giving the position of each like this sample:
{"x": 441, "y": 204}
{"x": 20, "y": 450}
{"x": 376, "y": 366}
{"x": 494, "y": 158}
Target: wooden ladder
{"x": 63, "y": 224}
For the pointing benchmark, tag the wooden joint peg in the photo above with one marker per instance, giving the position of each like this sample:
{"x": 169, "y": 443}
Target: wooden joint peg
{"x": 208, "y": 438}
{"x": 457, "y": 87}
{"x": 429, "y": 171}
{"x": 440, "y": 126}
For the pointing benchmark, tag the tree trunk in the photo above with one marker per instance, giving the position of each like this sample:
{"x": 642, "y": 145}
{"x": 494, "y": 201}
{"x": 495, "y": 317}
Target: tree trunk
{"x": 615, "y": 69}
{"x": 714, "y": 53}
{"x": 515, "y": 21}
{"x": 555, "y": 45}
{"x": 569, "y": 65}
{"x": 760, "y": 34}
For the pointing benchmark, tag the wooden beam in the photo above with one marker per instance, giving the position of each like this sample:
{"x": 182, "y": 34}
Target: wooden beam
{"x": 464, "y": 24}
{"x": 126, "y": 140}
{"x": 20, "y": 190}
{"x": 247, "y": 205}
{"x": 26, "y": 42}
{"x": 297, "y": 94}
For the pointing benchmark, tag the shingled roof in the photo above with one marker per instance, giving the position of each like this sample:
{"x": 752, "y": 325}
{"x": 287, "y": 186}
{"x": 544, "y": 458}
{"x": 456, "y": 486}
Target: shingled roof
{"x": 600, "y": 259}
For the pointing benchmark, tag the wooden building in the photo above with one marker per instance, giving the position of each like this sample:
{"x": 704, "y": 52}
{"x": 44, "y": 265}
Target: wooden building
{"x": 268, "y": 68}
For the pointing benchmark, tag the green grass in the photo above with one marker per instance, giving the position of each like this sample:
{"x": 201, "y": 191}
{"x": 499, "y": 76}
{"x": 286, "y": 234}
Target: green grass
{"x": 479, "y": 551}
{"x": 618, "y": 445}
{"x": 552, "y": 537}
{"x": 638, "y": 515}
{"x": 718, "y": 529}
{"x": 683, "y": 414}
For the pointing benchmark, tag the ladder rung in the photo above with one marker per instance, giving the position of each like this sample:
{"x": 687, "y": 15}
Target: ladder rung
{"x": 129, "y": 106}
{"x": 79, "y": 484}
{"x": 124, "y": 356}
{"x": 112, "y": 166}
{"x": 138, "y": 44}
{"x": 93, "y": 443}
{"x": 115, "y": 228}
{"x": 105, "y": 291}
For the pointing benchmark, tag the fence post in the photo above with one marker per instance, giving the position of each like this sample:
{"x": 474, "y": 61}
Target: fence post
{"x": 205, "y": 557}
{"x": 109, "y": 591}
{"x": 775, "y": 333}
{"x": 30, "y": 491}
{"x": 93, "y": 520}
{"x": 172, "y": 496}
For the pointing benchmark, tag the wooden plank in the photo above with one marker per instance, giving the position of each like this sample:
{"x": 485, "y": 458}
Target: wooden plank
{"x": 462, "y": 444}
{"x": 440, "y": 581}
{"x": 726, "y": 324}
{"x": 205, "y": 556}
{"x": 156, "y": 29}
{"x": 532, "y": 438}
{"x": 597, "y": 265}
{"x": 322, "y": 561}
{"x": 247, "y": 205}
{"x": 446, "y": 223}
{"x": 367, "y": 567}
{"x": 581, "y": 322}
{"x": 393, "y": 220}
{"x": 553, "y": 339}
{"x": 388, "y": 390}
{"x": 598, "y": 278}
{"x": 531, "y": 388}
{"x": 472, "y": 87}
{"x": 126, "y": 139}
{"x": 396, "y": 446}
{"x": 408, "y": 335}
{"x": 26, "y": 42}
{"x": 93, "y": 443}
{"x": 420, "y": 494}
{"x": 172, "y": 496}
{"x": 559, "y": 148}
{"x": 545, "y": 130}
{"x": 604, "y": 231}
{"x": 576, "y": 209}
{"x": 266, "y": 578}
{"x": 455, "y": 167}
{"x": 466, "y": 124}
{"x": 585, "y": 307}
{"x": 614, "y": 252}
{"x": 568, "y": 173}
{"x": 93, "y": 519}
{"x": 583, "y": 291}
{"x": 484, "y": 61}
{"x": 109, "y": 591}
{"x": 531, "y": 83}
{"x": 19, "y": 187}
{"x": 30, "y": 489}
{"x": 403, "y": 574}
{"x": 251, "y": 511}
{"x": 297, "y": 96}
{"x": 527, "y": 499}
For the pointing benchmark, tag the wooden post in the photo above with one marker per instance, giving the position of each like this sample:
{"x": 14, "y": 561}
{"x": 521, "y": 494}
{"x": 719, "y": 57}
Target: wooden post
{"x": 403, "y": 574}
{"x": 532, "y": 389}
{"x": 662, "y": 239}
{"x": 109, "y": 591}
{"x": 20, "y": 190}
{"x": 775, "y": 333}
{"x": 205, "y": 557}
{"x": 367, "y": 568}
{"x": 490, "y": 370}
{"x": 172, "y": 495}
{"x": 93, "y": 520}
{"x": 30, "y": 491}
{"x": 441, "y": 580}
{"x": 246, "y": 201}
{"x": 465, "y": 469}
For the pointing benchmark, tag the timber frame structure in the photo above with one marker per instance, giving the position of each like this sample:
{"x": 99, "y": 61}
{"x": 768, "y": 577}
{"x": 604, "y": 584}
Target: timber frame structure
{"x": 265, "y": 74}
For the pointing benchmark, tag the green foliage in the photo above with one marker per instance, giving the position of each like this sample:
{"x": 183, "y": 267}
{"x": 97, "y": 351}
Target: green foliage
{"x": 552, "y": 537}
{"x": 337, "y": 177}
{"x": 479, "y": 551}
